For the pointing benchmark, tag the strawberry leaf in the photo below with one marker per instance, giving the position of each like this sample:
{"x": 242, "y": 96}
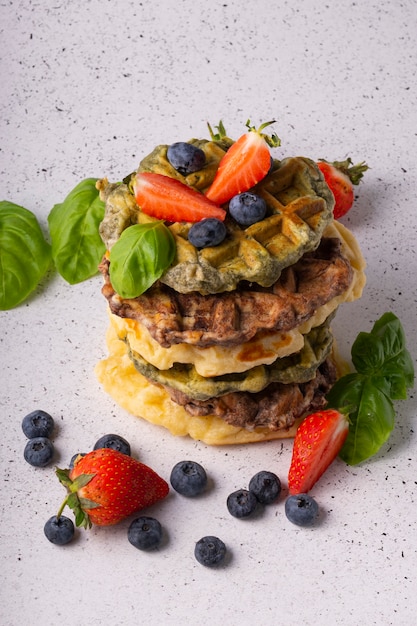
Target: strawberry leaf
{"x": 81, "y": 517}
{"x": 81, "y": 481}
{"x": 77, "y": 504}
{"x": 63, "y": 475}
{"x": 273, "y": 140}
{"x": 88, "y": 504}
{"x": 220, "y": 134}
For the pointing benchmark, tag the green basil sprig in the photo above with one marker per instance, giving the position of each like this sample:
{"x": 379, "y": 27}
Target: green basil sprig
{"x": 77, "y": 247}
{"x": 25, "y": 256}
{"x": 384, "y": 372}
{"x": 139, "y": 257}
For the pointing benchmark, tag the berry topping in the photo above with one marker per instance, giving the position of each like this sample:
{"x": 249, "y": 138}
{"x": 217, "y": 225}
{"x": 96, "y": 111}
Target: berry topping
{"x": 185, "y": 157}
{"x": 169, "y": 199}
{"x": 209, "y": 232}
{"x": 38, "y": 424}
{"x": 188, "y": 478}
{"x": 245, "y": 163}
{"x": 105, "y": 486}
{"x": 210, "y": 551}
{"x": 145, "y": 533}
{"x": 301, "y": 509}
{"x": 59, "y": 530}
{"x": 247, "y": 208}
{"x": 241, "y": 503}
{"x": 317, "y": 443}
{"x": 39, "y": 451}
{"x": 115, "y": 442}
{"x": 340, "y": 177}
{"x": 265, "y": 486}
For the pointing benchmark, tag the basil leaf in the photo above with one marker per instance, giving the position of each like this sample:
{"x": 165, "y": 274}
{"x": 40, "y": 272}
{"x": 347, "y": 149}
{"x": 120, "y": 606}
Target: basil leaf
{"x": 77, "y": 247}
{"x": 383, "y": 353}
{"x": 371, "y": 351}
{"x": 371, "y": 418}
{"x": 398, "y": 375}
{"x": 385, "y": 371}
{"x": 24, "y": 254}
{"x": 367, "y": 353}
{"x": 139, "y": 257}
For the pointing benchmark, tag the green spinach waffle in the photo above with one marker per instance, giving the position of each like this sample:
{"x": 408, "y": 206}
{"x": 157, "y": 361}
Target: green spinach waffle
{"x": 299, "y": 207}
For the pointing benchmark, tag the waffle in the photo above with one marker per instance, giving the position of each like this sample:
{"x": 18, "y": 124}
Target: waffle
{"x": 273, "y": 413}
{"x": 300, "y": 367}
{"x": 275, "y": 408}
{"x": 264, "y": 349}
{"x": 285, "y": 275}
{"x": 299, "y": 207}
{"x": 121, "y": 208}
{"x": 232, "y": 318}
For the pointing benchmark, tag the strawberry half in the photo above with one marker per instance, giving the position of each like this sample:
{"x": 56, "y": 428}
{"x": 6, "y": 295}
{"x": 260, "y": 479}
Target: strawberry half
{"x": 105, "y": 486}
{"x": 340, "y": 177}
{"x": 245, "y": 163}
{"x": 317, "y": 443}
{"x": 169, "y": 199}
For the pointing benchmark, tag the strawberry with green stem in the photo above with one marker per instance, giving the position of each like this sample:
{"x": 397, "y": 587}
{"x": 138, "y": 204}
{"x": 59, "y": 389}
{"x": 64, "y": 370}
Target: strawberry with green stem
{"x": 245, "y": 163}
{"x": 341, "y": 176}
{"x": 106, "y": 486}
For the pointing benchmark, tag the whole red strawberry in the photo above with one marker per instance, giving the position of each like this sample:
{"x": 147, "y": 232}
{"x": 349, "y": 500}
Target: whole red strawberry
{"x": 105, "y": 486}
{"x": 340, "y": 177}
{"x": 317, "y": 443}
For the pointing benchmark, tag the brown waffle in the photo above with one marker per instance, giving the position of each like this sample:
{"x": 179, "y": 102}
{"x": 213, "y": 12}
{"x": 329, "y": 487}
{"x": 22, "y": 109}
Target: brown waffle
{"x": 275, "y": 408}
{"x": 232, "y": 318}
{"x": 299, "y": 367}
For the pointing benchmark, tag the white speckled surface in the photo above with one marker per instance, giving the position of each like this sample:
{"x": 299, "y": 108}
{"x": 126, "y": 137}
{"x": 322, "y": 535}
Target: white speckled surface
{"x": 87, "y": 89}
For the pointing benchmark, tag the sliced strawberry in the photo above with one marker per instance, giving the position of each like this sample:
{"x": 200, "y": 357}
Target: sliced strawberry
{"x": 245, "y": 163}
{"x": 169, "y": 199}
{"x": 317, "y": 443}
{"x": 340, "y": 177}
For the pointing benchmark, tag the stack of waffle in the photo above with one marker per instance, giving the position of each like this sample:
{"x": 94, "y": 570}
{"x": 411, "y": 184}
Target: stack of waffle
{"x": 233, "y": 343}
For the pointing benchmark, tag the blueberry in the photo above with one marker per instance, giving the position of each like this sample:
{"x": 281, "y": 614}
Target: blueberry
{"x": 241, "y": 503}
{"x": 59, "y": 530}
{"x": 188, "y": 478}
{"x": 210, "y": 551}
{"x": 208, "y": 232}
{"x": 39, "y": 451}
{"x": 301, "y": 509}
{"x": 145, "y": 533}
{"x": 38, "y": 424}
{"x": 265, "y": 486}
{"x": 247, "y": 208}
{"x": 115, "y": 442}
{"x": 186, "y": 157}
